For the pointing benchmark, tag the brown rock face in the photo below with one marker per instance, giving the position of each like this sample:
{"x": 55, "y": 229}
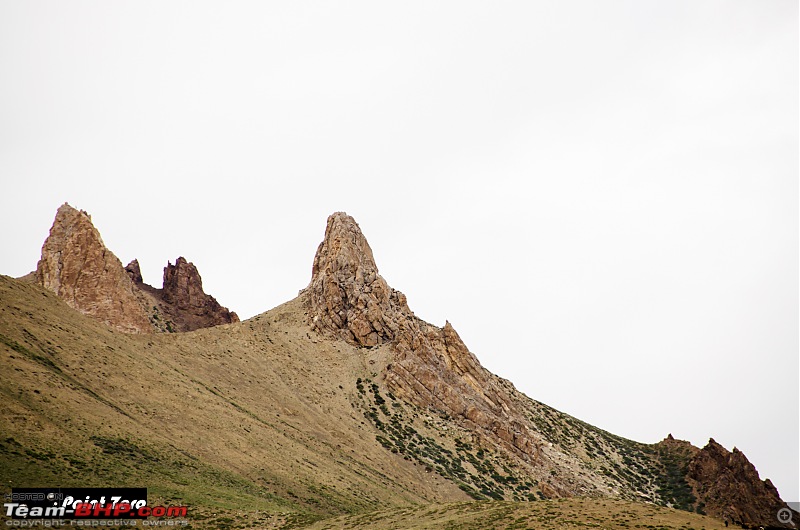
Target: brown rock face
{"x": 78, "y": 267}
{"x": 134, "y": 271}
{"x": 188, "y": 305}
{"x": 730, "y": 488}
{"x": 348, "y": 296}
{"x": 432, "y": 367}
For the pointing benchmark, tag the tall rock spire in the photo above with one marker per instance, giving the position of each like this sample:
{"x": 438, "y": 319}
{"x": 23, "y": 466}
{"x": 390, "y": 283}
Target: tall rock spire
{"x": 348, "y": 297}
{"x": 78, "y": 267}
{"x": 189, "y": 307}
{"x": 431, "y": 366}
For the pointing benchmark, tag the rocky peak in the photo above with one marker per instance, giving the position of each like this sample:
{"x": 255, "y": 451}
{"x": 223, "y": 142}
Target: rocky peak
{"x": 730, "y": 488}
{"x": 77, "y": 266}
{"x": 348, "y": 297}
{"x": 188, "y": 306}
{"x": 183, "y": 286}
{"x": 680, "y": 448}
{"x": 134, "y": 271}
{"x": 344, "y": 250}
{"x": 431, "y": 367}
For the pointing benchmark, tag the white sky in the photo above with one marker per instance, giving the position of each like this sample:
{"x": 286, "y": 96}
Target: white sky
{"x": 601, "y": 196}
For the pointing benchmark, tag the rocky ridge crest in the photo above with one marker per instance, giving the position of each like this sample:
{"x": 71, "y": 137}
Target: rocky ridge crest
{"x": 728, "y": 485}
{"x": 432, "y": 368}
{"x": 77, "y": 266}
{"x": 185, "y": 302}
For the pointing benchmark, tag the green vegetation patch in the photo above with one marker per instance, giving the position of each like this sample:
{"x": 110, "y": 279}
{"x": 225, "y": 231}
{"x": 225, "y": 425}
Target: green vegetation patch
{"x": 476, "y": 471}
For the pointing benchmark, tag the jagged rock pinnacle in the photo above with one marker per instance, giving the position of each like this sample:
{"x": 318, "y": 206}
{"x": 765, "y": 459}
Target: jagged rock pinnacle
{"x": 188, "y": 305}
{"x": 348, "y": 296}
{"x": 78, "y": 267}
{"x": 431, "y": 366}
{"x": 183, "y": 286}
{"x": 730, "y": 488}
{"x": 134, "y": 271}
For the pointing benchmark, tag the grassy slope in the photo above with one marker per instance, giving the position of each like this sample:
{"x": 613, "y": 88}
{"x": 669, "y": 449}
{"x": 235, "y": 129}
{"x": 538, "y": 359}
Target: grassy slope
{"x": 255, "y": 416}
{"x": 252, "y": 424}
{"x": 561, "y": 514}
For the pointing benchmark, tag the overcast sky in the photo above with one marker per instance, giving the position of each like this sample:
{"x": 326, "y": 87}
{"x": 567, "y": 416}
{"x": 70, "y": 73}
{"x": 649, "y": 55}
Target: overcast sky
{"x": 601, "y": 196}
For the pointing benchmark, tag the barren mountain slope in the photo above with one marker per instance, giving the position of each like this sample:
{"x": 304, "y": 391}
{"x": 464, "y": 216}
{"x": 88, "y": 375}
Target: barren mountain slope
{"x": 341, "y": 401}
{"x": 245, "y": 423}
{"x": 255, "y": 415}
{"x": 560, "y": 514}
{"x": 539, "y": 452}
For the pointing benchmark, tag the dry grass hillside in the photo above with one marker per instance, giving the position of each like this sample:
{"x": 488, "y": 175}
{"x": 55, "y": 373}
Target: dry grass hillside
{"x": 266, "y": 424}
{"x": 255, "y": 417}
{"x": 561, "y": 514}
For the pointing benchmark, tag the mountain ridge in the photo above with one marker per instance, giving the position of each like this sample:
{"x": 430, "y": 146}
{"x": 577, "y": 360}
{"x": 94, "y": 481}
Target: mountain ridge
{"x": 442, "y": 427}
{"x": 77, "y": 266}
{"x": 434, "y": 369}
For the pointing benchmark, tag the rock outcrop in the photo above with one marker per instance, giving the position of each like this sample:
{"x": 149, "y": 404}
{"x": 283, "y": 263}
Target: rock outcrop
{"x": 134, "y": 271}
{"x": 728, "y": 486}
{"x": 720, "y": 483}
{"x": 78, "y": 267}
{"x": 432, "y": 367}
{"x": 348, "y": 296}
{"x": 187, "y": 304}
